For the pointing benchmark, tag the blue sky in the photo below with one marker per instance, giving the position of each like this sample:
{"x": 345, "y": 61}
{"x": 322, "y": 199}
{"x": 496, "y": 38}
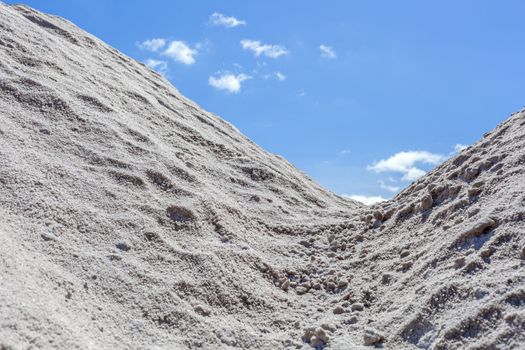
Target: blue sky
{"x": 363, "y": 96}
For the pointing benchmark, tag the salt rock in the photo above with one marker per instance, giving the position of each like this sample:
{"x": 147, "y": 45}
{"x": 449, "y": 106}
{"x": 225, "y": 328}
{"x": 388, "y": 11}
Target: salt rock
{"x": 404, "y": 253}
{"x": 478, "y": 227}
{"x": 329, "y": 327}
{"x": 426, "y": 202}
{"x": 351, "y": 320}
{"x": 339, "y": 310}
{"x": 474, "y": 191}
{"x": 357, "y": 307}
{"x": 320, "y": 333}
{"x": 317, "y": 337}
{"x": 202, "y": 310}
{"x": 378, "y": 215}
{"x": 316, "y": 342}
{"x": 471, "y": 173}
{"x": 308, "y": 334}
{"x": 342, "y": 284}
{"x": 301, "y": 290}
{"x": 285, "y": 285}
{"x": 388, "y": 214}
{"x": 387, "y": 278}
{"x": 372, "y": 337}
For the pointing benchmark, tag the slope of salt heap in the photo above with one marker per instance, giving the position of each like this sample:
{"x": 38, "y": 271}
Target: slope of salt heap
{"x": 131, "y": 218}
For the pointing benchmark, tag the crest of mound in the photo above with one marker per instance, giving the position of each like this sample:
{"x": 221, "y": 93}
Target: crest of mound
{"x": 132, "y": 218}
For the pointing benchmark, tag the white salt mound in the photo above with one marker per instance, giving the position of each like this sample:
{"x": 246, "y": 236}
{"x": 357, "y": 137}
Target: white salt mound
{"x": 132, "y": 219}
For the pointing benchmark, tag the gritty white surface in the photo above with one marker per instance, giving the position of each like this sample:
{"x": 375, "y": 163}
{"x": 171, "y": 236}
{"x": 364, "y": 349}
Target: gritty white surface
{"x": 132, "y": 219}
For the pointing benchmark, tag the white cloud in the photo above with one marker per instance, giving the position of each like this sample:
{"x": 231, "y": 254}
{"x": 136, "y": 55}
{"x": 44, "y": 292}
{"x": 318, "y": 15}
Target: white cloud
{"x": 459, "y": 147}
{"x": 280, "y": 76}
{"x": 219, "y": 19}
{"x": 152, "y": 45}
{"x": 413, "y": 174}
{"x": 271, "y": 51}
{"x": 367, "y": 200}
{"x": 327, "y": 52}
{"x": 228, "y": 81}
{"x": 387, "y": 187}
{"x": 405, "y": 163}
{"x": 180, "y": 52}
{"x": 158, "y": 66}
{"x": 345, "y": 152}
{"x": 277, "y": 75}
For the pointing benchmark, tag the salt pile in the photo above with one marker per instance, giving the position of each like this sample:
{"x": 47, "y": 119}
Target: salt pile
{"x": 130, "y": 218}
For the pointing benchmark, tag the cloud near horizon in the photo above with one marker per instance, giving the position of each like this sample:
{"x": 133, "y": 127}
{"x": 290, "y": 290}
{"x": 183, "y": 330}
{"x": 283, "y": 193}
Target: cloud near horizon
{"x": 180, "y": 52}
{"x": 367, "y": 200}
{"x": 387, "y": 187}
{"x": 271, "y": 51}
{"x": 152, "y": 45}
{"x": 405, "y": 163}
{"x": 218, "y": 19}
{"x": 228, "y": 81}
{"x": 160, "y": 67}
{"x": 459, "y": 147}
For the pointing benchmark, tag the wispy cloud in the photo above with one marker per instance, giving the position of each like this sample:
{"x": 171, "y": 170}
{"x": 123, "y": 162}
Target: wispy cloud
{"x": 275, "y": 75}
{"x": 180, "y": 52}
{"x": 345, "y": 152}
{"x": 367, "y": 200}
{"x": 280, "y": 76}
{"x": 157, "y": 65}
{"x": 459, "y": 147}
{"x": 327, "y": 52}
{"x": 152, "y": 45}
{"x": 219, "y": 19}
{"x": 405, "y": 163}
{"x": 271, "y": 51}
{"x": 387, "y": 187}
{"x": 228, "y": 81}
